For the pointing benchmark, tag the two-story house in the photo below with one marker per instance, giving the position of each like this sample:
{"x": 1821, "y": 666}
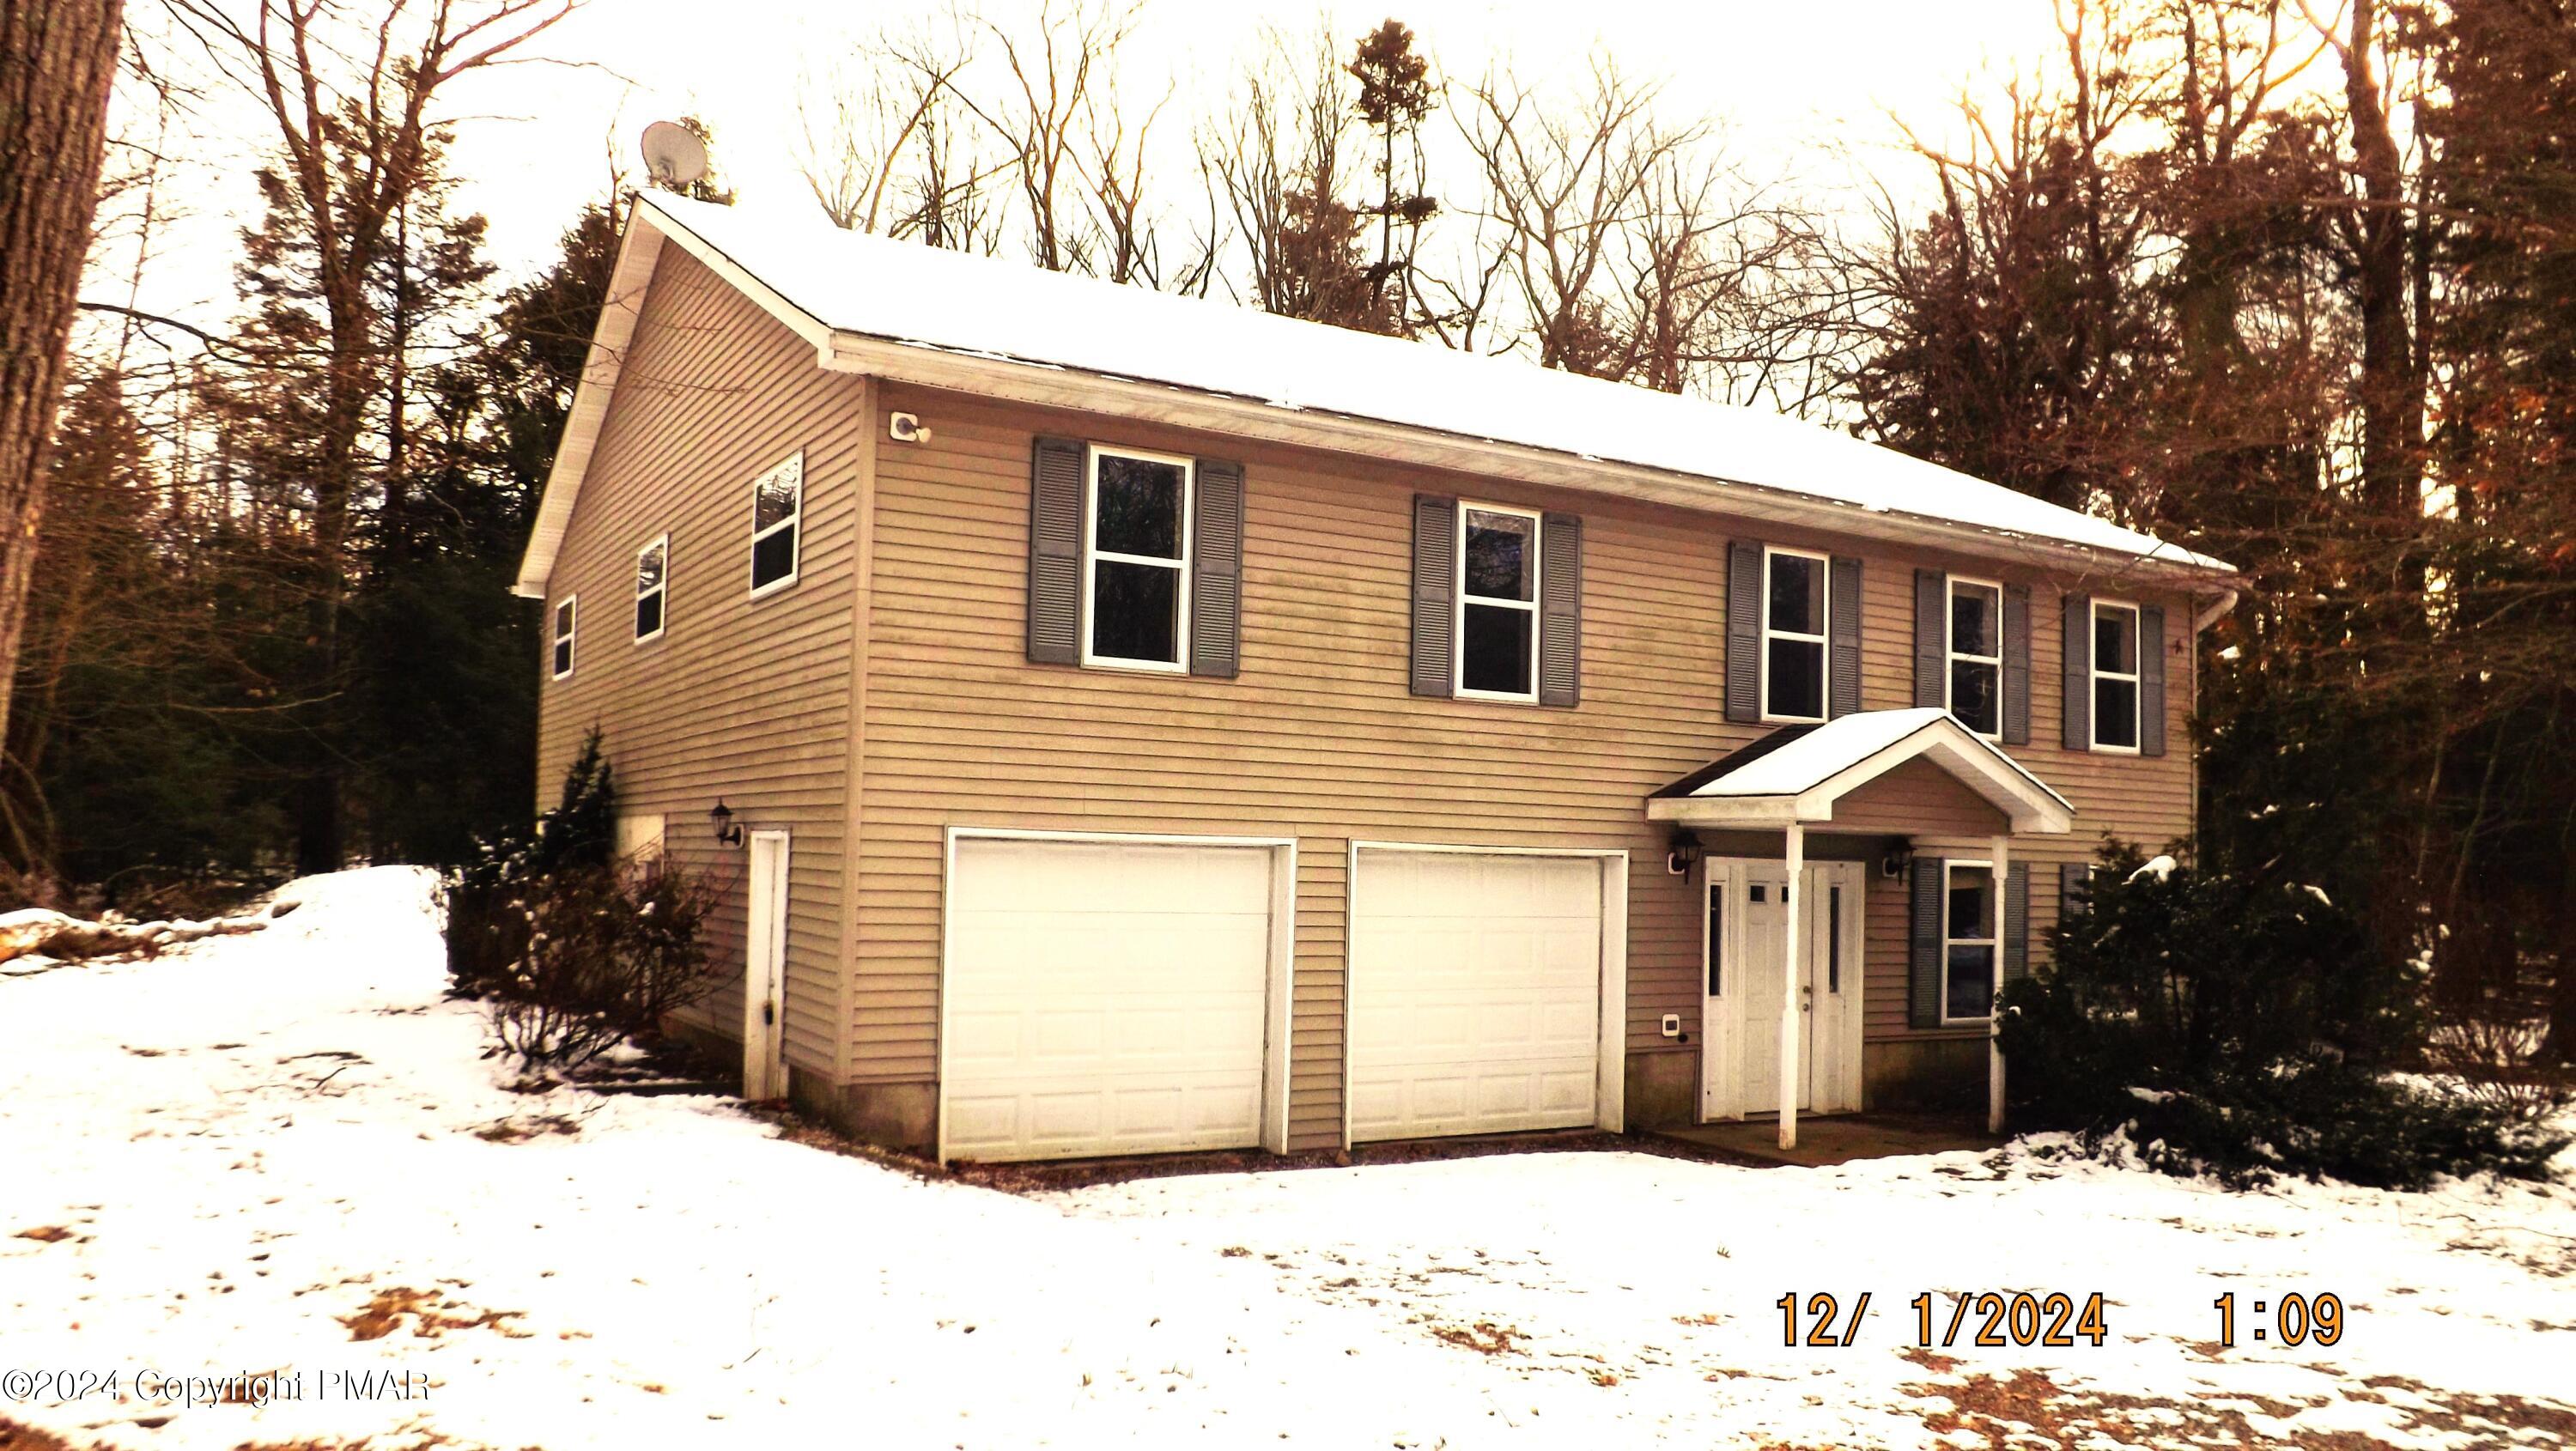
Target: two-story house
{"x": 1147, "y": 724}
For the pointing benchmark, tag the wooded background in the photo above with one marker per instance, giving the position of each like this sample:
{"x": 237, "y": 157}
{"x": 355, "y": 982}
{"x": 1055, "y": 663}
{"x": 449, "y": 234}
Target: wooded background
{"x": 2293, "y": 285}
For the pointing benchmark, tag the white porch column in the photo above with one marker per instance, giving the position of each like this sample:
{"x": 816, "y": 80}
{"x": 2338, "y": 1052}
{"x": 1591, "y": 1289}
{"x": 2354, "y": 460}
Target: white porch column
{"x": 1791, "y": 898}
{"x": 2002, "y": 854}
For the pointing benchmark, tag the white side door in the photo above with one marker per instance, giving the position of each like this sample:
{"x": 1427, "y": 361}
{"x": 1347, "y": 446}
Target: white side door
{"x": 1830, "y": 918}
{"x": 764, "y": 986}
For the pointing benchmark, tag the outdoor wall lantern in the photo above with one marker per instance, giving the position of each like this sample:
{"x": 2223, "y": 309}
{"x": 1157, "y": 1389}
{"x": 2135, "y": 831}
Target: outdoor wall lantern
{"x": 1898, "y": 858}
{"x": 1685, "y": 854}
{"x": 727, "y": 834}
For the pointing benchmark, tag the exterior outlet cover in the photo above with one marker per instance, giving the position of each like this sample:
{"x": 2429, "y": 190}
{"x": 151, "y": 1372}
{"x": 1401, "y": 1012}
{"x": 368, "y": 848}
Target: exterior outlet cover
{"x": 1672, "y": 1025}
{"x": 906, "y": 428}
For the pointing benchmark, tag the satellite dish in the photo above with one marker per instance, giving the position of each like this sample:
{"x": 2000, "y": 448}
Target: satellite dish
{"x": 674, "y": 154}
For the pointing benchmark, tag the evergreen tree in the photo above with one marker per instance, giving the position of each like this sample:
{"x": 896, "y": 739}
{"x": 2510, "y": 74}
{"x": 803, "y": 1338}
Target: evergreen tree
{"x": 1395, "y": 98}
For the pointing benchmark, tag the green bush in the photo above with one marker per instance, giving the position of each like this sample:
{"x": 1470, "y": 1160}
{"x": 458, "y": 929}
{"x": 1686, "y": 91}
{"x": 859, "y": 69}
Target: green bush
{"x": 573, "y": 950}
{"x": 2242, "y": 1026}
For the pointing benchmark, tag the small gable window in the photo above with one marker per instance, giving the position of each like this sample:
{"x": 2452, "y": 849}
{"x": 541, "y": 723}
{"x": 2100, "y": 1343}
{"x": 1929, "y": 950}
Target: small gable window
{"x": 1976, "y": 682}
{"x": 1793, "y": 635}
{"x": 652, "y": 587}
{"x": 1137, "y": 560}
{"x": 2115, "y": 676}
{"x": 1498, "y": 603}
{"x": 564, "y": 609}
{"x": 777, "y": 520}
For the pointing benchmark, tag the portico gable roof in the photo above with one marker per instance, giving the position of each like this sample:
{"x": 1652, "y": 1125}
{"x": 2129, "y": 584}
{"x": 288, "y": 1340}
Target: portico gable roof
{"x": 1795, "y": 775}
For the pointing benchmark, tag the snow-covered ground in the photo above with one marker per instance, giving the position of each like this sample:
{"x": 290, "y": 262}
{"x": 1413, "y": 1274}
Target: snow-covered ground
{"x": 284, "y": 1152}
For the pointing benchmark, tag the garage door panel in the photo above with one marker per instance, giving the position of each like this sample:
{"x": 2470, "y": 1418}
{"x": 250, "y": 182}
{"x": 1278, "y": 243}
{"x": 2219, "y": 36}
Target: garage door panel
{"x": 1105, "y": 998}
{"x": 1475, "y": 993}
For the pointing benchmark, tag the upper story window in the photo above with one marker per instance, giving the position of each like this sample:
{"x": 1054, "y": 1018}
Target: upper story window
{"x": 777, "y": 522}
{"x": 1793, "y": 634}
{"x": 652, "y": 587}
{"x": 1136, "y": 560}
{"x": 1498, "y": 602}
{"x": 564, "y": 609}
{"x": 2115, "y": 676}
{"x": 1976, "y": 655}
{"x": 1971, "y": 942}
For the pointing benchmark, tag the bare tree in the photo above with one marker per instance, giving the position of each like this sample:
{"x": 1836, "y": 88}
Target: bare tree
{"x": 352, "y": 101}
{"x": 880, "y": 125}
{"x": 57, "y": 65}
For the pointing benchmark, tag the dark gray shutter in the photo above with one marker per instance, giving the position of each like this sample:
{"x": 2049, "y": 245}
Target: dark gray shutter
{"x": 2079, "y": 672}
{"x": 1216, "y": 569}
{"x": 1055, "y": 552}
{"x": 1923, "y": 978}
{"x": 1931, "y": 637}
{"x": 1744, "y": 632}
{"x": 2016, "y": 665}
{"x": 1842, "y": 640}
{"x": 2074, "y": 888}
{"x": 2151, "y": 680}
{"x": 2017, "y": 923}
{"x": 1435, "y": 587}
{"x": 1560, "y": 620}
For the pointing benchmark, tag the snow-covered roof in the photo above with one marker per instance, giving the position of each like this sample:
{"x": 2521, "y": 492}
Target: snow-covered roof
{"x": 1797, "y": 773}
{"x": 836, "y": 286}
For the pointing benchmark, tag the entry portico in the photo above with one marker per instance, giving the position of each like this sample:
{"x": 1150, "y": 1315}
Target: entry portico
{"x": 1805, "y": 777}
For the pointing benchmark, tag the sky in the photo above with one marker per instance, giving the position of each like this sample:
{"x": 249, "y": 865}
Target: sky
{"x": 1801, "y": 89}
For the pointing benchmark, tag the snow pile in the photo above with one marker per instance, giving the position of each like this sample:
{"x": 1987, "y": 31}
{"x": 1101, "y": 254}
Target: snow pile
{"x": 284, "y": 1152}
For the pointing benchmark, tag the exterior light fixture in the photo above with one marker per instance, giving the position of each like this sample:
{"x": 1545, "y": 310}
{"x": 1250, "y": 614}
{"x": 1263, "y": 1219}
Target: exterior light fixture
{"x": 1894, "y": 864}
{"x": 727, "y": 834}
{"x": 1685, "y": 854}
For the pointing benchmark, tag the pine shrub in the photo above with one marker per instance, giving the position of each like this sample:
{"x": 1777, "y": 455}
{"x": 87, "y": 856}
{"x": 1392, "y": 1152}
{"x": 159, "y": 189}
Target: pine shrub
{"x": 2243, "y": 1026}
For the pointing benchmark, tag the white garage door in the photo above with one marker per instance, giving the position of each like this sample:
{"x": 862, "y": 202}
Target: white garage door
{"x": 1475, "y": 993}
{"x": 1104, "y": 998}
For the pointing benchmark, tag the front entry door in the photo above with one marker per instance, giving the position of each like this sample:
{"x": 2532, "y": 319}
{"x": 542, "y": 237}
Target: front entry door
{"x": 764, "y": 985}
{"x": 1765, "y": 919}
{"x": 1743, "y": 947}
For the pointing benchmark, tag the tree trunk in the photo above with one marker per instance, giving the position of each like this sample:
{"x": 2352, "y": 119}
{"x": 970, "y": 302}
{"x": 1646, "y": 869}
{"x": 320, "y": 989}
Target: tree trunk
{"x": 57, "y": 63}
{"x": 2392, "y": 391}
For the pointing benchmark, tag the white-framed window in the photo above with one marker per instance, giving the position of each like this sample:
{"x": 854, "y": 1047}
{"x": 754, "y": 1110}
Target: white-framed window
{"x": 1971, "y": 941}
{"x": 777, "y": 525}
{"x": 1976, "y": 665}
{"x": 652, "y": 589}
{"x": 1497, "y": 622}
{"x": 2115, "y": 676}
{"x": 565, "y": 618}
{"x": 1795, "y": 602}
{"x": 1136, "y": 560}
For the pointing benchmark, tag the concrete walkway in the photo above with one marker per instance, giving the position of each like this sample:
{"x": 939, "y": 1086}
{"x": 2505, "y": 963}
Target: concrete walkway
{"x": 1838, "y": 1139}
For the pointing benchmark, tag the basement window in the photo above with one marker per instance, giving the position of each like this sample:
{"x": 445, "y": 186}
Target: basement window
{"x": 1136, "y": 561}
{"x": 564, "y": 610}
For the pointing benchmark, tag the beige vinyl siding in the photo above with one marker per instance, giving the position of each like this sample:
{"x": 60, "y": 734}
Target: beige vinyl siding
{"x": 1320, "y": 738}
{"x": 740, "y": 699}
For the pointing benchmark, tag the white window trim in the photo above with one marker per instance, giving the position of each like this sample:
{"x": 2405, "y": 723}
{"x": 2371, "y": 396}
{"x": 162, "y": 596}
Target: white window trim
{"x": 795, "y": 520}
{"x": 1995, "y": 887}
{"x": 1458, "y": 604}
{"x": 1822, "y": 639}
{"x": 1951, "y": 655}
{"x": 561, "y": 642}
{"x": 2095, "y": 673}
{"x": 663, "y": 589}
{"x": 1092, "y": 554}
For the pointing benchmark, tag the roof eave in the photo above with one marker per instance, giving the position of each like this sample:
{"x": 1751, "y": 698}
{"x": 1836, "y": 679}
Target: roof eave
{"x": 1053, "y": 386}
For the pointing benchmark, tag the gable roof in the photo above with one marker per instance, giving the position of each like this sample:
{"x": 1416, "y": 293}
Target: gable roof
{"x": 1796, "y": 774}
{"x": 920, "y": 314}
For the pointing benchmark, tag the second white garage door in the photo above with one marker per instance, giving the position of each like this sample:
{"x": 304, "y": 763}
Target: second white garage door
{"x": 1104, "y": 998}
{"x": 1475, "y": 998}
